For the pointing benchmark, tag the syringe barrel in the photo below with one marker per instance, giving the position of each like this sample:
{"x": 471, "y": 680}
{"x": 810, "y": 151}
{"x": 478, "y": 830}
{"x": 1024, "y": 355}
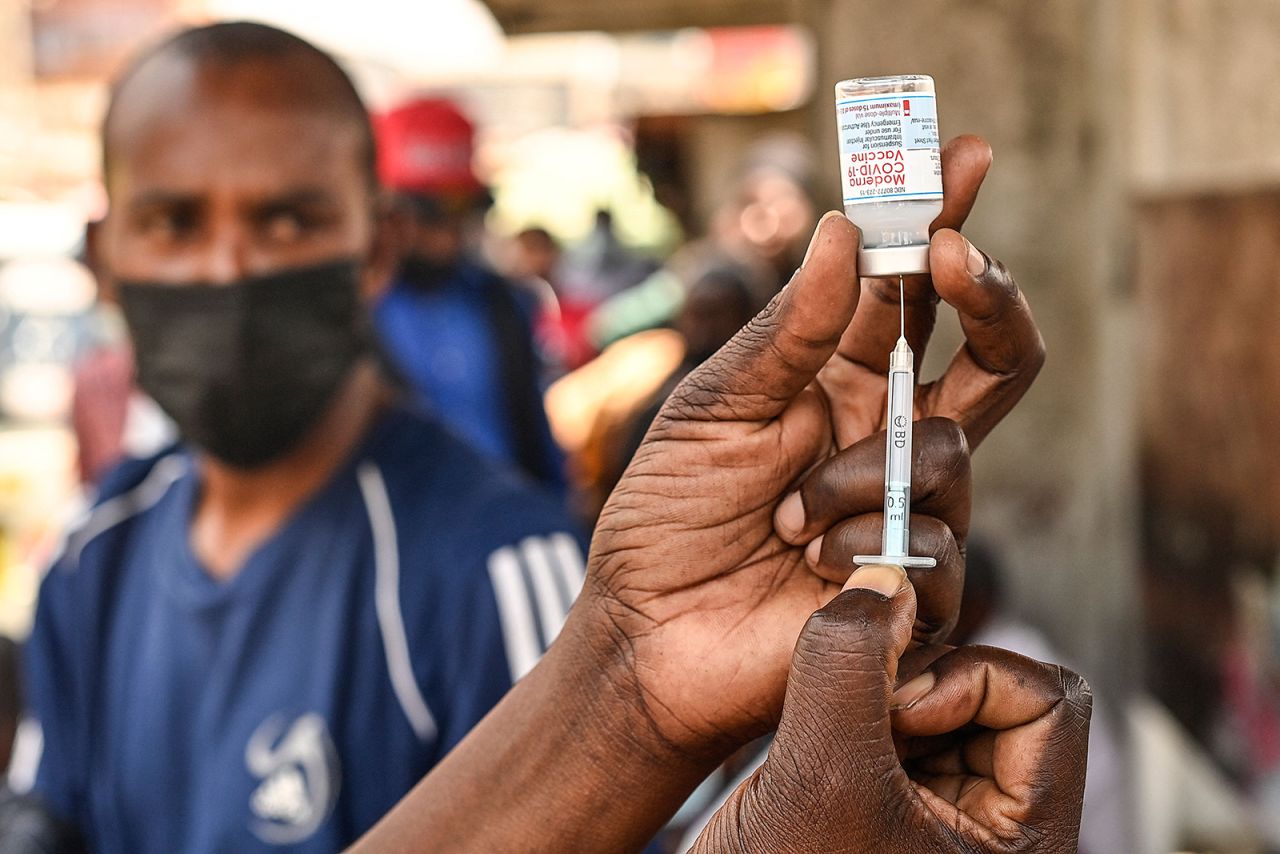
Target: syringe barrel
{"x": 897, "y": 493}
{"x": 898, "y": 453}
{"x": 897, "y": 513}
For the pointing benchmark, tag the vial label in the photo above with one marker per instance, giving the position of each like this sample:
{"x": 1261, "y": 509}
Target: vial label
{"x": 889, "y": 147}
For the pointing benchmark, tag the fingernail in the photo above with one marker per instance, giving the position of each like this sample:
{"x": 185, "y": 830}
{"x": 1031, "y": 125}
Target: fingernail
{"x": 977, "y": 262}
{"x": 813, "y": 241}
{"x": 913, "y": 690}
{"x": 813, "y": 552}
{"x": 789, "y": 518}
{"x": 884, "y": 579}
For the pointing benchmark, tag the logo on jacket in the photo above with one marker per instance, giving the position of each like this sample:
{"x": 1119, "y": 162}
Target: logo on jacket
{"x": 298, "y": 767}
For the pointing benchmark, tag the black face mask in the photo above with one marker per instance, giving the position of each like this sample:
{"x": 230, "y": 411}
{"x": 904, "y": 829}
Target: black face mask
{"x": 245, "y": 369}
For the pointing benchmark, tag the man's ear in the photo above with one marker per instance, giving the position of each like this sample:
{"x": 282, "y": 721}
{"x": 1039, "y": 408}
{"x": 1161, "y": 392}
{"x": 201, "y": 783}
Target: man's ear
{"x": 95, "y": 260}
{"x": 390, "y": 229}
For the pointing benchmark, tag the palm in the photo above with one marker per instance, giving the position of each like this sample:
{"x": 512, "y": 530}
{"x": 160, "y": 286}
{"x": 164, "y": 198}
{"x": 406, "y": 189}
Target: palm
{"x": 714, "y": 575}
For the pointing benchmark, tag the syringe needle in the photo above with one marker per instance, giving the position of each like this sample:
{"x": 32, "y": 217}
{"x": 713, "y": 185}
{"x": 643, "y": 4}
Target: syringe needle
{"x": 902, "y": 309}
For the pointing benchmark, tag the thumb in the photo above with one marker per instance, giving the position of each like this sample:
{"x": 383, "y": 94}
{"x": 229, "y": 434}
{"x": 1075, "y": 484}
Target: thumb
{"x": 835, "y": 720}
{"x": 761, "y": 369}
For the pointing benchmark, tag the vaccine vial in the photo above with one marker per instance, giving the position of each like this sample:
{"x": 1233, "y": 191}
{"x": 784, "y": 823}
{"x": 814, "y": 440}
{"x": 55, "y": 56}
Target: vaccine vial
{"x": 891, "y": 168}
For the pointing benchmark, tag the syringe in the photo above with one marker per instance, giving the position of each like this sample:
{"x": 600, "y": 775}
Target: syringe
{"x": 896, "y": 539}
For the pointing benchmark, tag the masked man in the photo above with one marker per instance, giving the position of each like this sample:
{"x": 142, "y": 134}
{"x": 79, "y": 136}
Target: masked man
{"x": 264, "y": 636}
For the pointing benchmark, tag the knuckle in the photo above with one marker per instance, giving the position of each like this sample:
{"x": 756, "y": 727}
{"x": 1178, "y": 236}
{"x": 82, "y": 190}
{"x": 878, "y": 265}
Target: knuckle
{"x": 845, "y": 626}
{"x": 1075, "y": 690}
{"x": 1035, "y": 359}
{"x": 944, "y": 437}
{"x": 943, "y": 458}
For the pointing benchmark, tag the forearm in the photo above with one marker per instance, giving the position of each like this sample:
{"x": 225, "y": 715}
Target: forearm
{"x": 566, "y": 762}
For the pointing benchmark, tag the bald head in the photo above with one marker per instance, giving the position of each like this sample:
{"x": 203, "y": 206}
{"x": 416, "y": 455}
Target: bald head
{"x": 234, "y": 151}
{"x": 251, "y": 62}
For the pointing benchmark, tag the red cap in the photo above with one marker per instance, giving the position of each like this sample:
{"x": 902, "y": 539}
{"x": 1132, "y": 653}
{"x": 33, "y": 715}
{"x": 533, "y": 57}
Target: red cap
{"x": 425, "y": 146}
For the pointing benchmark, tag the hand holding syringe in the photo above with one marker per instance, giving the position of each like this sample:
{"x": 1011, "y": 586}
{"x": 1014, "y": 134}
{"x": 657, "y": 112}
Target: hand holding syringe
{"x": 954, "y": 411}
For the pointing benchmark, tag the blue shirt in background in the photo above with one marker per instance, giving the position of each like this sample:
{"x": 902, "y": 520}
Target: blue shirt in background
{"x": 292, "y": 706}
{"x": 464, "y": 344}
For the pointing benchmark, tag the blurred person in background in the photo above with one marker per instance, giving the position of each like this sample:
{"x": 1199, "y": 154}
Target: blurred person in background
{"x": 601, "y": 266}
{"x": 535, "y": 255}
{"x": 103, "y": 386}
{"x": 758, "y": 232}
{"x": 1247, "y": 731}
{"x": 760, "y": 227}
{"x": 265, "y": 635}
{"x": 459, "y": 333}
{"x": 763, "y": 225}
{"x": 111, "y": 417}
{"x": 718, "y": 305}
{"x": 534, "y": 261}
{"x": 987, "y": 618}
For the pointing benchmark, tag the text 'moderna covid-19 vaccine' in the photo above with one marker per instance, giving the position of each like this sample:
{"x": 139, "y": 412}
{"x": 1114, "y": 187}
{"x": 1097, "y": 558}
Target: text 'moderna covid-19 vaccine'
{"x": 891, "y": 169}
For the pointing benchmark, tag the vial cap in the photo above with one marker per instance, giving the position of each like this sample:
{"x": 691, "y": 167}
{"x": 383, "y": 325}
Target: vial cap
{"x": 893, "y": 261}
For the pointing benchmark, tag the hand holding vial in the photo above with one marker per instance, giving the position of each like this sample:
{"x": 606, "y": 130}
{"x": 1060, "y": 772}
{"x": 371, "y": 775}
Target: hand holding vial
{"x": 1001, "y": 356}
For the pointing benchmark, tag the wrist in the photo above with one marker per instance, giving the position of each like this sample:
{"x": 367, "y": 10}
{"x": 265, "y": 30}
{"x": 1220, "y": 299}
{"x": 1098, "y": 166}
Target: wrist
{"x": 565, "y": 762}
{"x": 593, "y": 670}
{"x": 650, "y": 682}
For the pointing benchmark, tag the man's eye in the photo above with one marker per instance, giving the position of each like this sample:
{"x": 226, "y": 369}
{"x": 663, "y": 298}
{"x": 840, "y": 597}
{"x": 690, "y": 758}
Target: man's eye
{"x": 285, "y": 226}
{"x": 171, "y": 225}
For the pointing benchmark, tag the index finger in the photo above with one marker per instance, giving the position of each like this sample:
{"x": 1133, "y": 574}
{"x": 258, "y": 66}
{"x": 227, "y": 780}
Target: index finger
{"x": 1003, "y": 349}
{"x": 990, "y": 687}
{"x": 965, "y": 163}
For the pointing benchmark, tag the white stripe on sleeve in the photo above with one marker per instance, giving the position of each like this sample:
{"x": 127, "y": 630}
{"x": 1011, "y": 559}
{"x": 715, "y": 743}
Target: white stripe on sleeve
{"x": 552, "y": 608}
{"x": 519, "y": 634}
{"x": 568, "y": 560}
{"x": 395, "y": 641}
{"x": 24, "y": 763}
